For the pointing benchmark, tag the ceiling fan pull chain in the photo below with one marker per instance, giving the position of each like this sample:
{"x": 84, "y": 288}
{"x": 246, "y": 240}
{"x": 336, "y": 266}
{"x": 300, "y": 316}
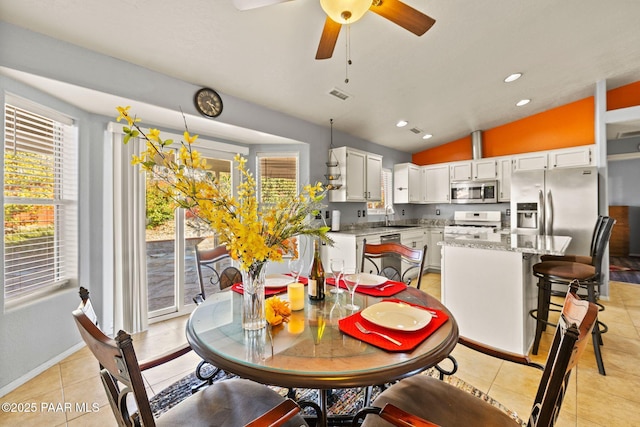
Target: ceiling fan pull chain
{"x": 348, "y": 54}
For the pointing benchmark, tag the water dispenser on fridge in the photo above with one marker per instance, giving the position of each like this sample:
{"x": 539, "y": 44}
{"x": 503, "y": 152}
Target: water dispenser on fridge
{"x": 527, "y": 216}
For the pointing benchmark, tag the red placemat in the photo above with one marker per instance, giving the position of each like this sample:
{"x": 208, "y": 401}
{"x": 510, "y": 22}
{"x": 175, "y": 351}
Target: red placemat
{"x": 409, "y": 339}
{"x": 268, "y": 291}
{"x": 374, "y": 291}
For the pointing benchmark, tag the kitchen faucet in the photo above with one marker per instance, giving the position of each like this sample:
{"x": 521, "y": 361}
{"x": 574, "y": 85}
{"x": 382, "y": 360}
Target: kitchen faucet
{"x": 387, "y": 211}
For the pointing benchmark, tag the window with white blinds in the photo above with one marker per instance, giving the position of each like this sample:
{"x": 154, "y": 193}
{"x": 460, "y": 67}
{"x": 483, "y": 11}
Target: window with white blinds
{"x": 277, "y": 176}
{"x": 40, "y": 199}
{"x": 385, "y": 205}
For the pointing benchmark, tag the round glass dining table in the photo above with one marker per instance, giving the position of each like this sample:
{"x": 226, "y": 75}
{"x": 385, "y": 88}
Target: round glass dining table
{"x": 310, "y": 351}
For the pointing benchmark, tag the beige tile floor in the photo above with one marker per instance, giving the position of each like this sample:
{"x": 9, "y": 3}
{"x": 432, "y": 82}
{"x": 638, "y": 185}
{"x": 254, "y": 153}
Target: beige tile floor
{"x": 592, "y": 399}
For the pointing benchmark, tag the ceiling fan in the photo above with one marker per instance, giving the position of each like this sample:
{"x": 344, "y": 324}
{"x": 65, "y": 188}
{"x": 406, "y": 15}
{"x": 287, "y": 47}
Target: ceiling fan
{"x": 340, "y": 12}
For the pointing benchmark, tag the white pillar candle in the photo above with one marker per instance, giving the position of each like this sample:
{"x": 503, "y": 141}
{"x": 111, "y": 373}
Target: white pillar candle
{"x": 295, "y": 291}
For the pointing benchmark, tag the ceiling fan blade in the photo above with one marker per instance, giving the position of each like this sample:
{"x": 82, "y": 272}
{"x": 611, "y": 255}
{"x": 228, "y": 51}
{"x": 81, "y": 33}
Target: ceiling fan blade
{"x": 404, "y": 15}
{"x": 328, "y": 39}
{"x": 254, "y": 4}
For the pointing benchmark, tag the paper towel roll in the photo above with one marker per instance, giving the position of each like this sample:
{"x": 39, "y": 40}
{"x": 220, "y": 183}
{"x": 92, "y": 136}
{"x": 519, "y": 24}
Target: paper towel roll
{"x": 335, "y": 220}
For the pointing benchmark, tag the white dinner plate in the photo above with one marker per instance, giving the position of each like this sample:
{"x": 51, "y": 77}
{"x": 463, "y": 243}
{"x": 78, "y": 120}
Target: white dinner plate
{"x": 367, "y": 280}
{"x": 277, "y": 280}
{"x": 398, "y": 316}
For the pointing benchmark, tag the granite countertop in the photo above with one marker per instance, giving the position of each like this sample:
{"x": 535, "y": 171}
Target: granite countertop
{"x": 525, "y": 243}
{"x": 366, "y": 229}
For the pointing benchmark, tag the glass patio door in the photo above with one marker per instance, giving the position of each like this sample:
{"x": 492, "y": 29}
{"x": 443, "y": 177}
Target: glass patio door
{"x": 171, "y": 237}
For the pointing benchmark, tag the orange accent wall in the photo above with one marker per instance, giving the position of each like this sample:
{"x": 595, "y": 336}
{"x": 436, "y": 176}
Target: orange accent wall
{"x": 565, "y": 126}
{"x": 624, "y": 96}
{"x": 569, "y": 125}
{"x": 459, "y": 149}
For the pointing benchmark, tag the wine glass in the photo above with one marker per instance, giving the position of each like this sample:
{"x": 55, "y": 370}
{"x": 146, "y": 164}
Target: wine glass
{"x": 352, "y": 281}
{"x": 337, "y": 312}
{"x": 337, "y": 268}
{"x": 296, "y": 265}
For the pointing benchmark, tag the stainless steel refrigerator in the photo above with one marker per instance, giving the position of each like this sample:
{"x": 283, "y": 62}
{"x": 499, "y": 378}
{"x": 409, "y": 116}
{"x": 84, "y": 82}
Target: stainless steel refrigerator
{"x": 561, "y": 202}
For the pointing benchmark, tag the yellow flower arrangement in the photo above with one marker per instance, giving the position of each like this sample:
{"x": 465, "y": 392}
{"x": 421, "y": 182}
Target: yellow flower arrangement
{"x": 277, "y": 310}
{"x": 252, "y": 233}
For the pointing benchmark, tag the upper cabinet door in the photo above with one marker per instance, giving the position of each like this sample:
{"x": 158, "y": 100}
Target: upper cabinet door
{"x": 415, "y": 183}
{"x": 530, "y": 161}
{"x": 374, "y": 177}
{"x": 504, "y": 179}
{"x": 572, "y": 157}
{"x": 460, "y": 171}
{"x": 401, "y": 182}
{"x": 484, "y": 169}
{"x": 356, "y": 170}
{"x": 437, "y": 183}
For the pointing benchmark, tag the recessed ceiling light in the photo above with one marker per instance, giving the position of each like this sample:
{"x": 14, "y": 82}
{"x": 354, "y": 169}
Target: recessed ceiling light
{"x": 522, "y": 102}
{"x": 402, "y": 123}
{"x": 512, "y": 77}
{"x": 427, "y": 136}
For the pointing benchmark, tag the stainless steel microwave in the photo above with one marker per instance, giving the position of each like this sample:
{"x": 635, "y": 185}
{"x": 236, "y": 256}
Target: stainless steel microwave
{"x": 474, "y": 192}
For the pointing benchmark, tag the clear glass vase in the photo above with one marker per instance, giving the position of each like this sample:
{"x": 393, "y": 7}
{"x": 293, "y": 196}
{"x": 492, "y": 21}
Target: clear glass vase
{"x": 253, "y": 280}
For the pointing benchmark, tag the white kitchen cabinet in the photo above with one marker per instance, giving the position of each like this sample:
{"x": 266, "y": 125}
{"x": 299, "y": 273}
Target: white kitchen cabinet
{"x": 460, "y": 171}
{"x": 413, "y": 239}
{"x": 436, "y": 183}
{"x": 505, "y": 165}
{"x": 572, "y": 157}
{"x": 434, "y": 252}
{"x": 406, "y": 183}
{"x": 360, "y": 176}
{"x": 371, "y": 239}
{"x": 530, "y": 161}
{"x": 484, "y": 169}
{"x": 373, "y": 177}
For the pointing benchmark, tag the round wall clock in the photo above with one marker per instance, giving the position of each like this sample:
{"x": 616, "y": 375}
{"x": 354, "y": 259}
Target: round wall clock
{"x": 208, "y": 102}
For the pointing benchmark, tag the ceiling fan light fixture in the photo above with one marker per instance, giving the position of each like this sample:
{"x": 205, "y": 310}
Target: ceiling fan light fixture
{"x": 345, "y": 11}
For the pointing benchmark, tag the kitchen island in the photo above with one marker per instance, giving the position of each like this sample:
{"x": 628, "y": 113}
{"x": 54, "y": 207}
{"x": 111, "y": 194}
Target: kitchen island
{"x": 488, "y": 285}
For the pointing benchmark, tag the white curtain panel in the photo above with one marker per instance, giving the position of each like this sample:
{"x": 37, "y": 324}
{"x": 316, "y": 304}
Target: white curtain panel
{"x": 129, "y": 216}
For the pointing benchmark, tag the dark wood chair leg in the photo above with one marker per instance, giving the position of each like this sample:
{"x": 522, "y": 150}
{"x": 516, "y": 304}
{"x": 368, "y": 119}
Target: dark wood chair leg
{"x": 596, "y": 334}
{"x": 538, "y": 315}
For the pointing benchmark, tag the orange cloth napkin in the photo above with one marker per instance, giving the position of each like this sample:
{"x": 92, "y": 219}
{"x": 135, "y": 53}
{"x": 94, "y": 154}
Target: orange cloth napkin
{"x": 409, "y": 339}
{"x": 374, "y": 291}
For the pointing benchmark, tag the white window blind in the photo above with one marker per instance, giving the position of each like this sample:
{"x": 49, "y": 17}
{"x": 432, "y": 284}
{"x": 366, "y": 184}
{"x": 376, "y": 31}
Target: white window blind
{"x": 40, "y": 200}
{"x": 277, "y": 176}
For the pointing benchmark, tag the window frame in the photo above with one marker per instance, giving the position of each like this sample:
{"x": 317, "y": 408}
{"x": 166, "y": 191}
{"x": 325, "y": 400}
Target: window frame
{"x": 62, "y": 148}
{"x": 275, "y": 154}
{"x": 386, "y": 177}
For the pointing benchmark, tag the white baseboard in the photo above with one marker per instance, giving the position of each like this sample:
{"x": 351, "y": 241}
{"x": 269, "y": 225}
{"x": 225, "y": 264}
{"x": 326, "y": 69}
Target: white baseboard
{"x": 40, "y": 369}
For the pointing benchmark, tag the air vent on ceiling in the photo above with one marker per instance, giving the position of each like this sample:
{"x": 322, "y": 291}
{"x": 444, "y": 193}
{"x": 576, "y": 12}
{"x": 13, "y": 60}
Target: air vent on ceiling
{"x": 631, "y": 134}
{"x": 415, "y": 130}
{"x": 339, "y": 94}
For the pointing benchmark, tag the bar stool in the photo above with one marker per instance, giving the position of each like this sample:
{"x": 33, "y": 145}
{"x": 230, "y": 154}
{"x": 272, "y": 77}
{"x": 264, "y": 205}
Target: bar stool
{"x": 589, "y": 276}
{"x": 584, "y": 259}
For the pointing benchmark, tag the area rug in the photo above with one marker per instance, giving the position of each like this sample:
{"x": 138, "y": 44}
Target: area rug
{"x": 625, "y": 269}
{"x": 340, "y": 402}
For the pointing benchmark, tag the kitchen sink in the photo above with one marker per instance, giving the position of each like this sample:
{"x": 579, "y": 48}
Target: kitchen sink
{"x": 399, "y": 226}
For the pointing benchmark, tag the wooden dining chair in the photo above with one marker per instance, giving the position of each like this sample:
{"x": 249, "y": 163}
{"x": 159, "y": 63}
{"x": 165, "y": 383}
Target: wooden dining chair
{"x": 424, "y": 401}
{"x": 411, "y": 261}
{"x": 212, "y": 260}
{"x": 234, "y": 402}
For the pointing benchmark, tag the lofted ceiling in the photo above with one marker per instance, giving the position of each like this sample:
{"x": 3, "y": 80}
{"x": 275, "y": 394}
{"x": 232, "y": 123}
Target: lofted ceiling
{"x": 448, "y": 82}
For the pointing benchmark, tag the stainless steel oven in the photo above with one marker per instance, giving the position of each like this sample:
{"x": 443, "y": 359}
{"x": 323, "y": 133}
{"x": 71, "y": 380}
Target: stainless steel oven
{"x": 474, "y": 191}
